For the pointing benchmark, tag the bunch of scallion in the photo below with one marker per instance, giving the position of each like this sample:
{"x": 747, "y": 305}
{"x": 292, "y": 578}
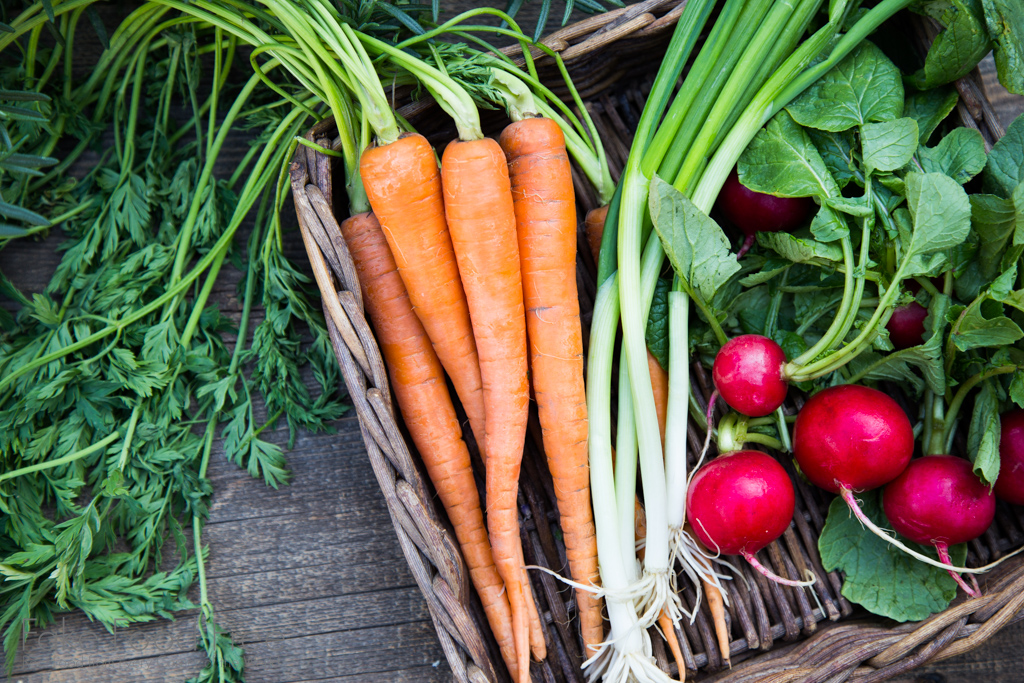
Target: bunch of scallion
{"x": 757, "y": 57}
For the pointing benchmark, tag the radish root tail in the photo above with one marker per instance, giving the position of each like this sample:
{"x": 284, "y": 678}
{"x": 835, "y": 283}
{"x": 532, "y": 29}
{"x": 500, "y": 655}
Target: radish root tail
{"x": 943, "y": 550}
{"x": 854, "y": 505}
{"x": 772, "y": 576}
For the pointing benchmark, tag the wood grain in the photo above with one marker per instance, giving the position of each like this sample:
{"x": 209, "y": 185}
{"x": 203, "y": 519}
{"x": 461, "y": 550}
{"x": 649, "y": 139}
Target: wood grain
{"x": 310, "y": 578}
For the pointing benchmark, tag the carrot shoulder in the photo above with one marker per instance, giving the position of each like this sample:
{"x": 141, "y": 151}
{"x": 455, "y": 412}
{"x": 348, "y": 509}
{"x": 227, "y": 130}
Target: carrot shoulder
{"x": 545, "y": 208}
{"x": 478, "y": 206}
{"x": 403, "y": 185}
{"x": 426, "y": 407}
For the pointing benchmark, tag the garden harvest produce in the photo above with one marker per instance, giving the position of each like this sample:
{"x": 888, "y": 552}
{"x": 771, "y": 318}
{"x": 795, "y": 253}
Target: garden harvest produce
{"x": 852, "y": 438}
{"x": 426, "y": 406}
{"x": 740, "y": 502}
{"x": 791, "y": 112}
{"x": 1010, "y": 483}
{"x": 753, "y": 212}
{"x": 748, "y": 374}
{"x": 938, "y": 501}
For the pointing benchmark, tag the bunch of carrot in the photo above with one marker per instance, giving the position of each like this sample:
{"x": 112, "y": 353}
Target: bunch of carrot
{"x": 485, "y": 252}
{"x": 469, "y": 269}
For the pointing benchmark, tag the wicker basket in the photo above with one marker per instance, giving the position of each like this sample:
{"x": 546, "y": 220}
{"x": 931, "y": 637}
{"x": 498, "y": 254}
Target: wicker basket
{"x": 823, "y": 640}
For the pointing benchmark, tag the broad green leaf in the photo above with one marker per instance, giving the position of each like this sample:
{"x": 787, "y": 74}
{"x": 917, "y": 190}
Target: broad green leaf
{"x": 1005, "y": 168}
{"x": 1018, "y": 214}
{"x": 977, "y": 331}
{"x": 879, "y": 577}
{"x": 828, "y": 226}
{"x": 656, "y": 334}
{"x": 1015, "y": 299}
{"x": 983, "y": 436}
{"x": 695, "y": 244}
{"x": 854, "y": 206}
{"x": 1005, "y": 20}
{"x": 957, "y": 49}
{"x": 960, "y": 155}
{"x": 1017, "y": 389}
{"x": 941, "y": 213}
{"x": 781, "y": 160}
{"x": 813, "y": 302}
{"x": 994, "y": 221}
{"x": 929, "y": 108}
{"x": 863, "y": 88}
{"x": 888, "y": 145}
{"x": 893, "y": 186}
{"x": 1001, "y": 287}
{"x": 799, "y": 249}
{"x": 771, "y": 268}
{"x": 836, "y": 150}
{"x": 751, "y": 309}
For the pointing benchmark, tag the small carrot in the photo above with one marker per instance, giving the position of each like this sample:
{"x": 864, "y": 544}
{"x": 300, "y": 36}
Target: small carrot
{"x": 545, "y": 210}
{"x": 538, "y": 645}
{"x": 403, "y": 185}
{"x": 593, "y": 228}
{"x": 426, "y": 407}
{"x": 482, "y": 222}
{"x": 669, "y": 631}
{"x": 717, "y": 606}
{"x": 659, "y": 382}
{"x": 716, "y": 603}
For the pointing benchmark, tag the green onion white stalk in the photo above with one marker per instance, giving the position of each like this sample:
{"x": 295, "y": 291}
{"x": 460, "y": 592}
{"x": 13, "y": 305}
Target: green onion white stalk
{"x": 626, "y": 654}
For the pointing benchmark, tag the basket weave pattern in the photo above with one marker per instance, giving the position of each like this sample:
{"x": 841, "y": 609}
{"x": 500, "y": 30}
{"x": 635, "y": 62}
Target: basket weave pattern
{"x": 819, "y": 640}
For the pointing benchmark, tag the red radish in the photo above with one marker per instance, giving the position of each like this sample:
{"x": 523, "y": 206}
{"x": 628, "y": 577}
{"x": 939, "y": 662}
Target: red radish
{"x": 748, "y": 374}
{"x": 852, "y": 438}
{"x": 1010, "y": 484}
{"x": 906, "y": 325}
{"x": 739, "y": 503}
{"x": 754, "y": 212}
{"x": 939, "y": 501}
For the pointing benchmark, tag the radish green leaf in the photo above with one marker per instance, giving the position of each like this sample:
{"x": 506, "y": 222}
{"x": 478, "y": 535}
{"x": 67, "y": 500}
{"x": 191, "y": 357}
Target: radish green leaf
{"x": 694, "y": 243}
{"x": 983, "y": 436}
{"x": 960, "y": 155}
{"x": 929, "y": 108}
{"x": 879, "y": 577}
{"x": 888, "y": 145}
{"x": 863, "y": 88}
{"x": 956, "y": 50}
{"x": 781, "y": 160}
{"x": 1005, "y": 20}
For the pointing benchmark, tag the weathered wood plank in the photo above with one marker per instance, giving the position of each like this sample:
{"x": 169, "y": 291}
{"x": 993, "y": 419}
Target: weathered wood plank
{"x": 402, "y": 652}
{"x": 352, "y": 618}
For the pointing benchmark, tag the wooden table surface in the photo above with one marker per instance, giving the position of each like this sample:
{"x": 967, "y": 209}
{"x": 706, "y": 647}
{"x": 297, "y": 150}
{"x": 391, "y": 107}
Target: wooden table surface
{"x": 310, "y": 578}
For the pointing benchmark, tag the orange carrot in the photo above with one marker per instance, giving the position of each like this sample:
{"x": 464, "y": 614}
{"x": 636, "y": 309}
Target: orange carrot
{"x": 426, "y": 407}
{"x": 482, "y": 222}
{"x": 659, "y": 382}
{"x": 593, "y": 227}
{"x": 717, "y": 606}
{"x": 403, "y": 185}
{"x": 669, "y": 631}
{"x": 538, "y": 645}
{"x": 545, "y": 209}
